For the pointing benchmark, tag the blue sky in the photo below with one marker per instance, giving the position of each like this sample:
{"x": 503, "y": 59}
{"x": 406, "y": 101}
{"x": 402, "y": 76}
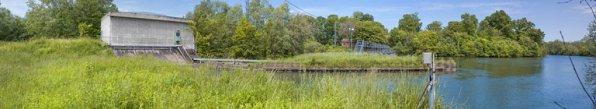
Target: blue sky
{"x": 572, "y": 18}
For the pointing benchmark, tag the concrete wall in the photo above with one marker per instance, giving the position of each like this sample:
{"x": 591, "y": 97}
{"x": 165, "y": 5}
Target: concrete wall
{"x": 120, "y": 28}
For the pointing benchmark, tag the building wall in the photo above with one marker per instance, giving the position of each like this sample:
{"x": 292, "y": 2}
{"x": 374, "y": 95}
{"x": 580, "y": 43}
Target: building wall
{"x": 105, "y": 28}
{"x": 144, "y": 32}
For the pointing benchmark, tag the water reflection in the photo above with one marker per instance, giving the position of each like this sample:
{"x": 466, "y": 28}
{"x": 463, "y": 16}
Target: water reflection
{"x": 517, "y": 83}
{"x": 496, "y": 83}
{"x": 500, "y": 67}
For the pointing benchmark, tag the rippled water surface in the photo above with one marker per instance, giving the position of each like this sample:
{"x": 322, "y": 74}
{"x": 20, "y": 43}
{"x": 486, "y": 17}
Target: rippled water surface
{"x": 518, "y": 83}
{"x": 505, "y": 83}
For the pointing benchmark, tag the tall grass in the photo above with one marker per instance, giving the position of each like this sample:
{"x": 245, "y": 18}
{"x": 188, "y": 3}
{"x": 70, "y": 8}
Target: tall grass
{"x": 350, "y": 60}
{"x": 83, "y": 73}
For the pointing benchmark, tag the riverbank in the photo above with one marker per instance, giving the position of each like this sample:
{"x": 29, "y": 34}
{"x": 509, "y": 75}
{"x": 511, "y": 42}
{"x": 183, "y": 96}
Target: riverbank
{"x": 76, "y": 73}
{"x": 346, "y": 62}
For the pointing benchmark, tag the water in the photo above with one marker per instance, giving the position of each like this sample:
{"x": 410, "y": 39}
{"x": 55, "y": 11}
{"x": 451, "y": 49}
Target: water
{"x": 497, "y": 83}
{"x": 517, "y": 83}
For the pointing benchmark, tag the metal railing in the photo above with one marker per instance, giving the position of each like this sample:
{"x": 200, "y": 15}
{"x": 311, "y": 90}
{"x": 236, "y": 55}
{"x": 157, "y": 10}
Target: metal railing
{"x": 372, "y": 47}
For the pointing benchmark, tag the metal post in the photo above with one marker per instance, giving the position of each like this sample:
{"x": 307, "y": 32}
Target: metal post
{"x": 431, "y": 93}
{"x": 429, "y": 58}
{"x": 351, "y": 33}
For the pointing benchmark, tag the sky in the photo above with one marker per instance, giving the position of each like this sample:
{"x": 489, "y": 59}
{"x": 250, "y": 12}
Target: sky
{"x": 548, "y": 15}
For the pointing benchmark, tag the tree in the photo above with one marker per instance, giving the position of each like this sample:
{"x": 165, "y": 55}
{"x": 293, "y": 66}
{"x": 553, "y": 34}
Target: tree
{"x": 501, "y": 21}
{"x": 89, "y": 13}
{"x": 592, "y": 30}
{"x": 410, "y": 23}
{"x": 425, "y": 41}
{"x": 434, "y": 26}
{"x": 455, "y": 26}
{"x": 12, "y": 27}
{"x": 370, "y": 31}
{"x": 299, "y": 31}
{"x": 469, "y": 23}
{"x": 396, "y": 36}
{"x": 331, "y": 25}
{"x": 524, "y": 28}
{"x": 368, "y": 17}
{"x": 211, "y": 28}
{"x": 344, "y": 27}
{"x": 320, "y": 33}
{"x": 61, "y": 18}
{"x": 257, "y": 12}
{"x": 358, "y": 15}
{"x": 246, "y": 41}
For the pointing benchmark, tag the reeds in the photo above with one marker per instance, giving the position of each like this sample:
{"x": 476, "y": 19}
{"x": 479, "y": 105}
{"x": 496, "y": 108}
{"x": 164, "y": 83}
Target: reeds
{"x": 351, "y": 60}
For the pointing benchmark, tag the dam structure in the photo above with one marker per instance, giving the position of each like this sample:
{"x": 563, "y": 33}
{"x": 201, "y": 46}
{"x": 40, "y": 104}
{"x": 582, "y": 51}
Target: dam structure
{"x": 161, "y": 36}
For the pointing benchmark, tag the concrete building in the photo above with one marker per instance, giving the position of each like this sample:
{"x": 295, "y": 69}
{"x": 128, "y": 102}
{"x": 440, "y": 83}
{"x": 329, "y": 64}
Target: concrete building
{"x": 137, "y": 29}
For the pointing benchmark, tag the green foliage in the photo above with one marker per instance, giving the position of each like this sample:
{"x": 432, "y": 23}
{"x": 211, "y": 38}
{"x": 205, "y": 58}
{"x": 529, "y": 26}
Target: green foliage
{"x": 501, "y": 21}
{"x": 362, "y": 17}
{"x": 312, "y": 46}
{"x": 434, "y": 26}
{"x": 495, "y": 36}
{"x": 396, "y": 36}
{"x": 82, "y": 73}
{"x": 584, "y": 47}
{"x": 300, "y": 30}
{"x": 246, "y": 41}
{"x": 61, "y": 18}
{"x": 425, "y": 41}
{"x": 12, "y": 27}
{"x": 469, "y": 23}
{"x": 370, "y": 31}
{"x": 283, "y": 34}
{"x": 410, "y": 23}
{"x": 213, "y": 27}
{"x": 85, "y": 29}
{"x": 350, "y": 60}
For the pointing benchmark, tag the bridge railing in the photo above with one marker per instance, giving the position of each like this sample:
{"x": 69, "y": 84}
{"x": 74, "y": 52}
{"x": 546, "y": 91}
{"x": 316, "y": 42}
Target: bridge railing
{"x": 372, "y": 47}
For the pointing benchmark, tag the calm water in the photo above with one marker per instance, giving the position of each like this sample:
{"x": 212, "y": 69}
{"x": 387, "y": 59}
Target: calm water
{"x": 498, "y": 83}
{"x": 517, "y": 83}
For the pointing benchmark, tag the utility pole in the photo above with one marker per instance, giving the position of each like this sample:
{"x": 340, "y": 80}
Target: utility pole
{"x": 351, "y": 33}
{"x": 335, "y": 34}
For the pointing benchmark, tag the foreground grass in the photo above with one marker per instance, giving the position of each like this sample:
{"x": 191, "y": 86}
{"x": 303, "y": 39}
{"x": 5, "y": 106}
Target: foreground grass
{"x": 82, "y": 73}
{"x": 350, "y": 60}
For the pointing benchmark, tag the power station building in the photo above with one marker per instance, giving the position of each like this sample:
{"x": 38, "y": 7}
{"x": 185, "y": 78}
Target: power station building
{"x": 163, "y": 37}
{"x": 141, "y": 29}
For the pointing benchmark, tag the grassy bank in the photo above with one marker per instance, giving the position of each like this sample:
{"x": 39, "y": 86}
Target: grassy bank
{"x": 83, "y": 73}
{"x": 350, "y": 60}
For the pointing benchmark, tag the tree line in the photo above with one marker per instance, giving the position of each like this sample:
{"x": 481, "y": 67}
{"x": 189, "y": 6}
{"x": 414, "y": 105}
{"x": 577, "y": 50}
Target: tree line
{"x": 55, "y": 19}
{"x": 584, "y": 47}
{"x": 260, "y": 31}
{"x": 495, "y": 36}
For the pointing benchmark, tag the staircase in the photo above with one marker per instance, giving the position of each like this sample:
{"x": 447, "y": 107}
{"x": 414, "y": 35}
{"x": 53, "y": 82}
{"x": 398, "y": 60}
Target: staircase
{"x": 184, "y": 53}
{"x": 359, "y": 46}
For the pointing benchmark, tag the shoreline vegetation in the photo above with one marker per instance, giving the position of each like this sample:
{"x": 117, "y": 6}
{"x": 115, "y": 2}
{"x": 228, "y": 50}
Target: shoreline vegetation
{"x": 75, "y": 73}
{"x": 350, "y": 60}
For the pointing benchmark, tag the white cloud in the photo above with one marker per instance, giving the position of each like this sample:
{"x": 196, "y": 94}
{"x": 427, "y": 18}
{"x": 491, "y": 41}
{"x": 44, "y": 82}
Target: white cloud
{"x": 584, "y": 9}
{"x": 17, "y": 7}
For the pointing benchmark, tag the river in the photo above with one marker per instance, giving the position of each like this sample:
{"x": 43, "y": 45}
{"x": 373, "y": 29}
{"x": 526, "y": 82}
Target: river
{"x": 498, "y": 83}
